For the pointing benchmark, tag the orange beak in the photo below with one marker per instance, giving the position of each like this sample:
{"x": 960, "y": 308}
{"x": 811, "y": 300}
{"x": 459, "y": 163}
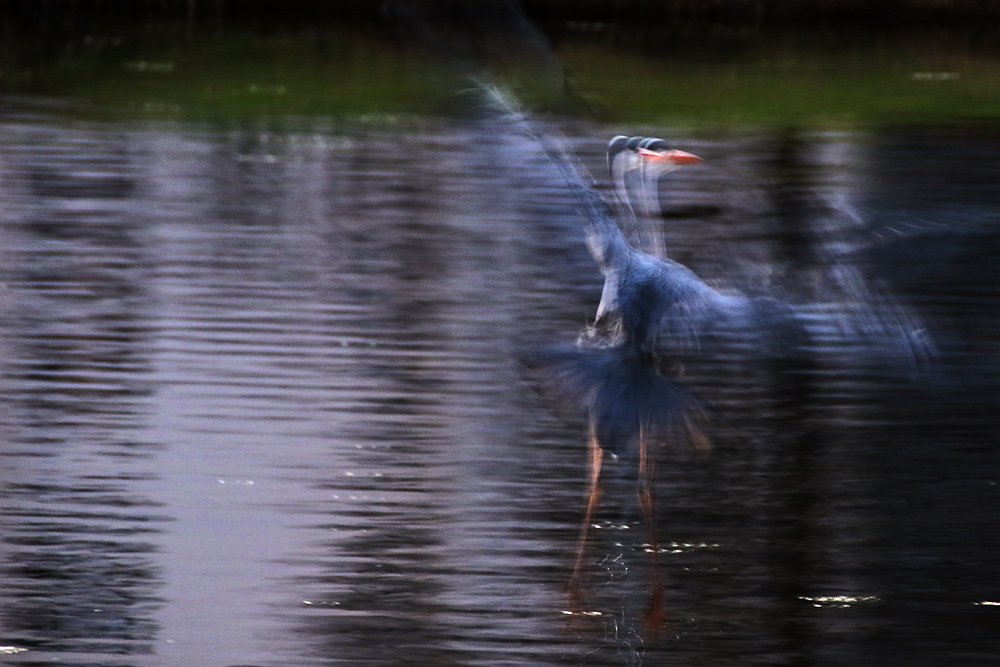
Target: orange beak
{"x": 675, "y": 157}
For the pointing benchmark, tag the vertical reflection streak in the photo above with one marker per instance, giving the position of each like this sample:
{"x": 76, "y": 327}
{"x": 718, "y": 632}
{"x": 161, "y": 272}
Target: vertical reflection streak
{"x": 79, "y": 533}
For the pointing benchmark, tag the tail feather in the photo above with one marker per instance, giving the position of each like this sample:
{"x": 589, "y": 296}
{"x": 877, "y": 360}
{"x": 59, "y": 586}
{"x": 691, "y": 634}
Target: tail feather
{"x": 623, "y": 394}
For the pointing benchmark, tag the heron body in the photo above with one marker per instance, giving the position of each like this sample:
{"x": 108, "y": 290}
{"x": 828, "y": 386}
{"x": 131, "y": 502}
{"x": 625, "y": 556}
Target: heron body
{"x": 654, "y": 314}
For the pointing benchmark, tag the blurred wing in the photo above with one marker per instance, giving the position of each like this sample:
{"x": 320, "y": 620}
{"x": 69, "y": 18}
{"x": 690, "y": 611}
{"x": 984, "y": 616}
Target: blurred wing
{"x": 875, "y": 319}
{"x": 715, "y": 326}
{"x": 868, "y": 316}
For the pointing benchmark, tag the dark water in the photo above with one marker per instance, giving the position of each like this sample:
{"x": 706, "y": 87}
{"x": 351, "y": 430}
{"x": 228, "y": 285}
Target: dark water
{"x": 262, "y": 403}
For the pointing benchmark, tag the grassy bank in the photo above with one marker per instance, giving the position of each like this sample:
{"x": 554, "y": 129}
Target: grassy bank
{"x": 691, "y": 71}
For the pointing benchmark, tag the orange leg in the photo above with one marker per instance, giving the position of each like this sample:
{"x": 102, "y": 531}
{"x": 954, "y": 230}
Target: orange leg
{"x": 654, "y": 611}
{"x": 593, "y": 499}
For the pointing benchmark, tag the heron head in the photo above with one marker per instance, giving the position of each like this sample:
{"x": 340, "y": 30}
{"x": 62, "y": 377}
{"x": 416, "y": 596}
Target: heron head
{"x": 652, "y": 150}
{"x": 635, "y": 165}
{"x": 647, "y": 154}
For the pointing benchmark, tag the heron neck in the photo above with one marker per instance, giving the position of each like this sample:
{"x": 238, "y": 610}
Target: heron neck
{"x": 607, "y": 242}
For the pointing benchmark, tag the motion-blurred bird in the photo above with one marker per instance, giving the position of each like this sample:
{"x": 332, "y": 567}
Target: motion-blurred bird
{"x": 655, "y": 315}
{"x": 653, "y": 311}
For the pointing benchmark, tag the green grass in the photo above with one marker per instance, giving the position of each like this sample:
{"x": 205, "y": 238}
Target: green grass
{"x": 240, "y": 76}
{"x": 798, "y": 88}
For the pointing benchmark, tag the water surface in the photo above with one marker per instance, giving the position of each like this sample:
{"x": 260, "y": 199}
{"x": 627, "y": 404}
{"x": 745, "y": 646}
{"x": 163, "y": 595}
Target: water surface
{"x": 263, "y": 404}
